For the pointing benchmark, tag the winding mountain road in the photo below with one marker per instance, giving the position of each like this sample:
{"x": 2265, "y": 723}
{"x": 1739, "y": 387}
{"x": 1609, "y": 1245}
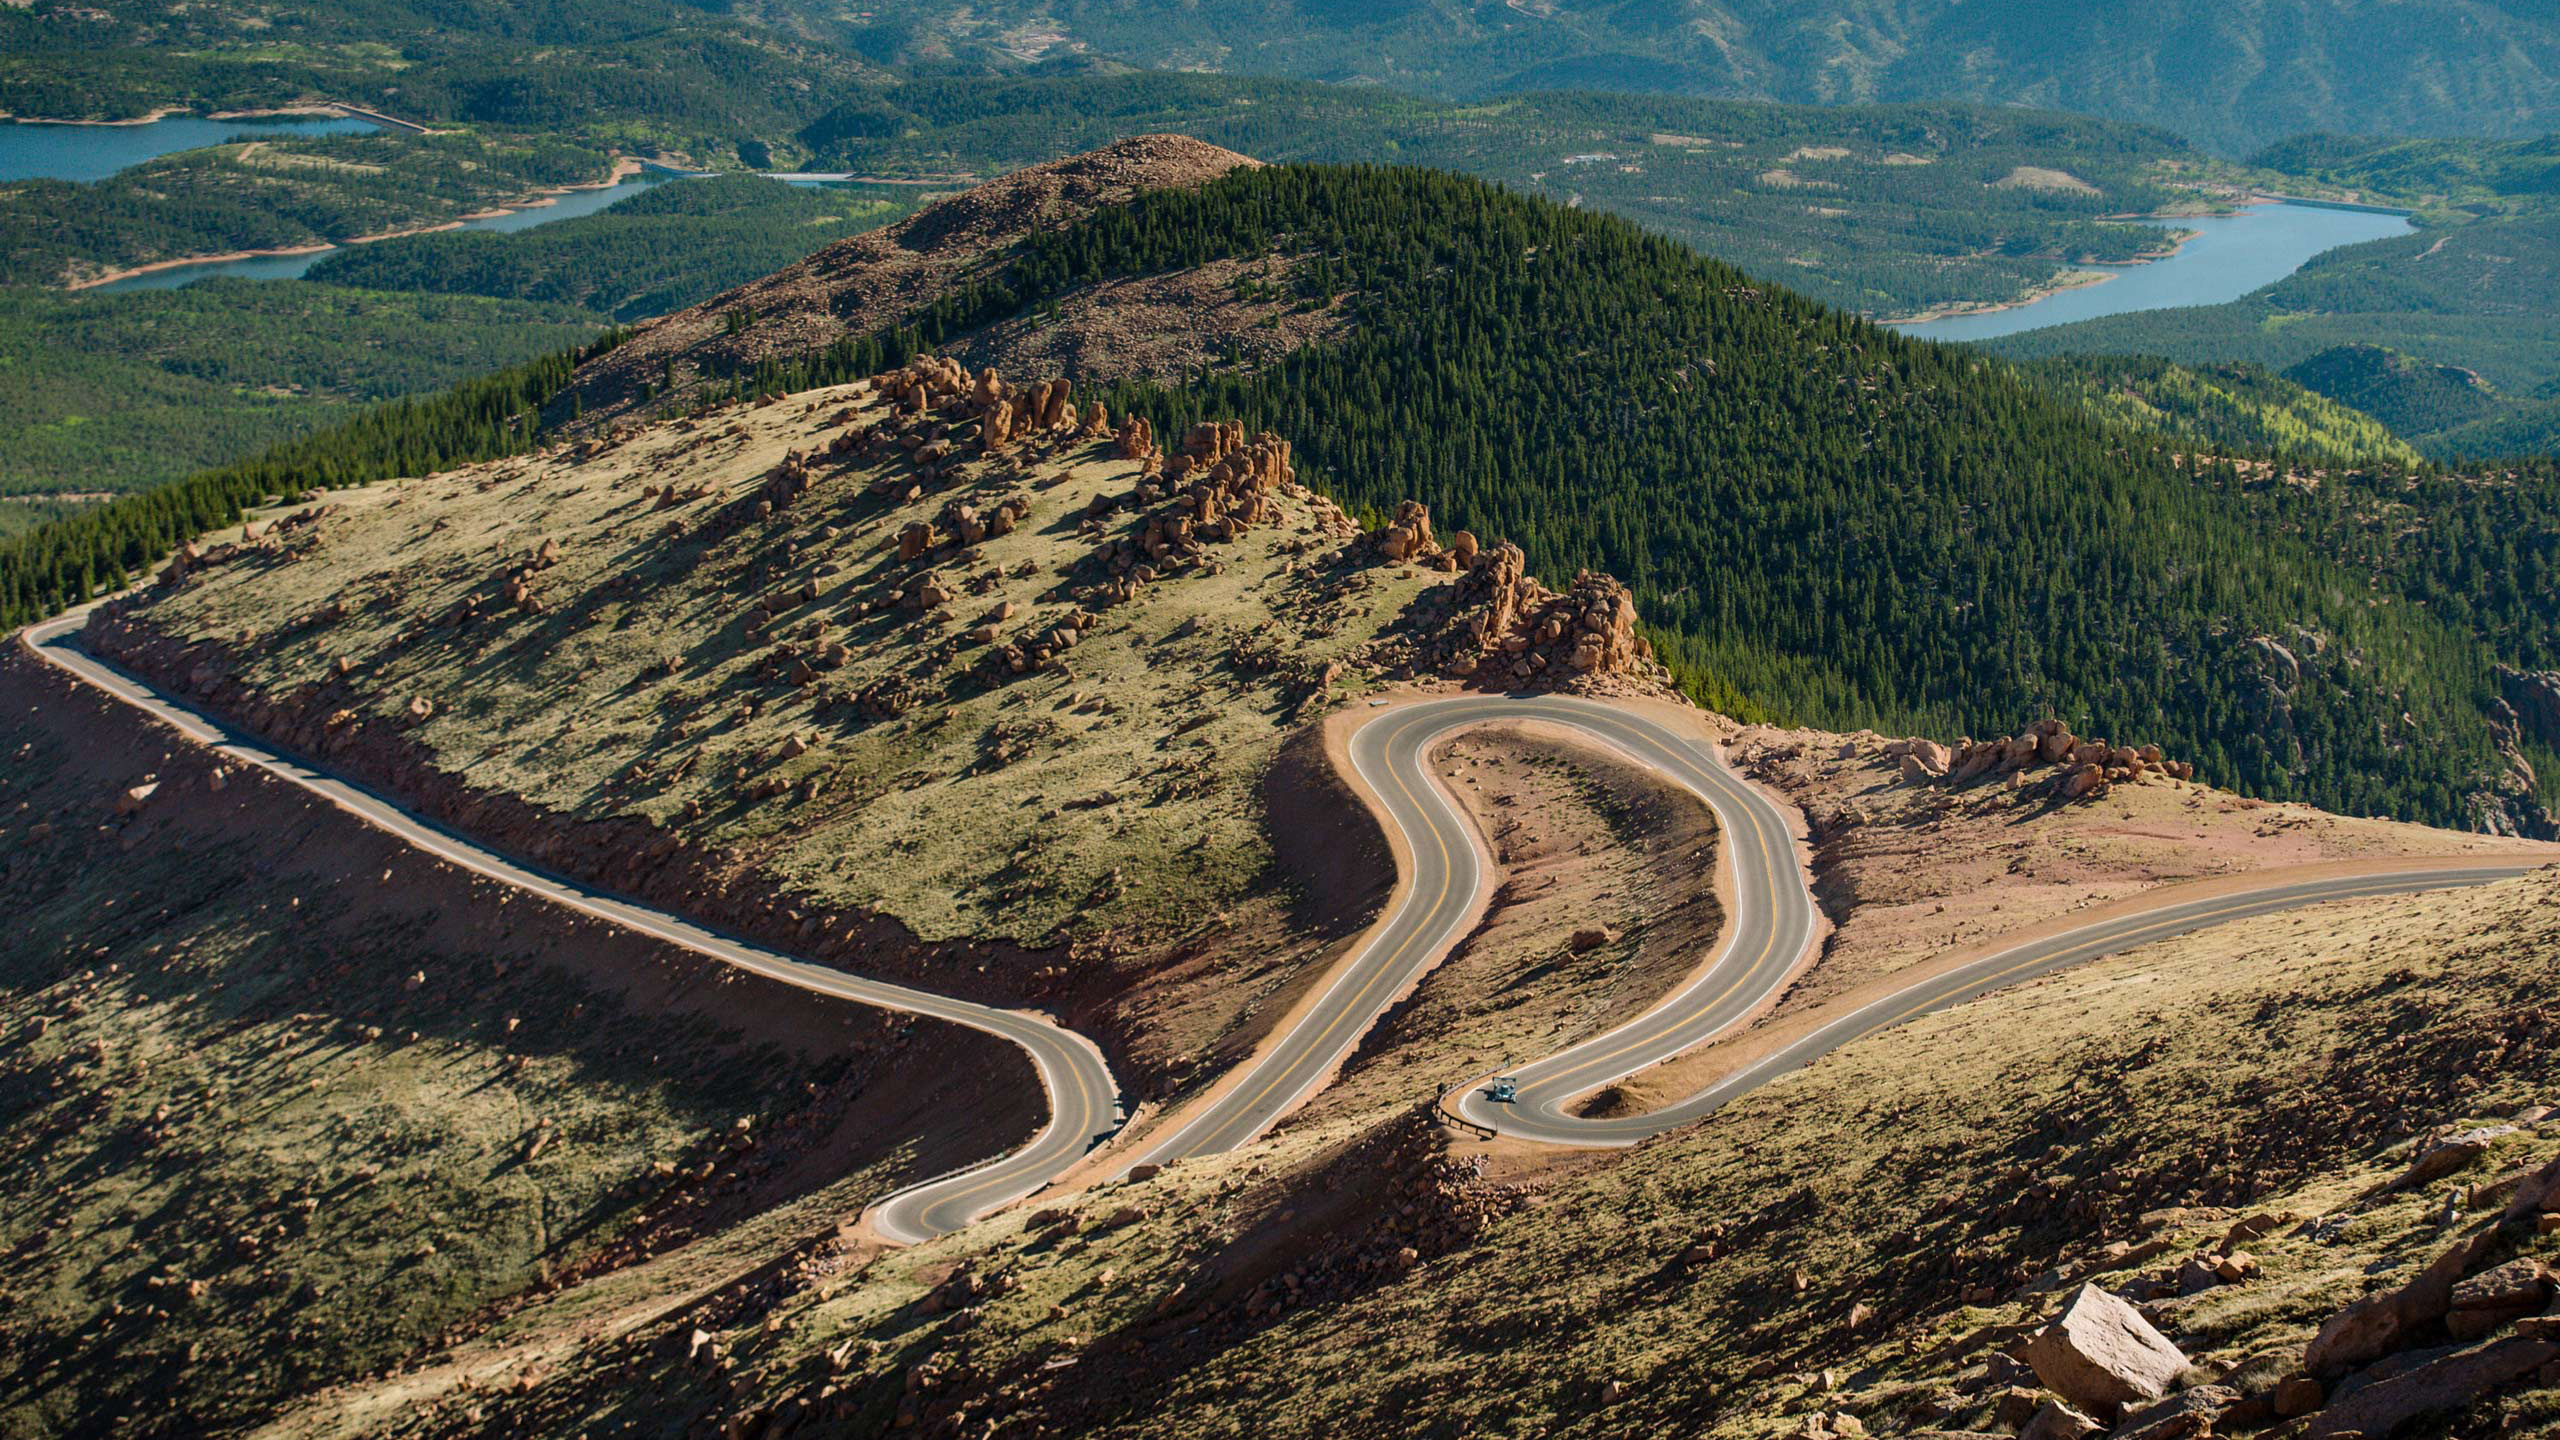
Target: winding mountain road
{"x": 1767, "y": 936}
{"x": 1772, "y": 923}
{"x": 1083, "y": 1098}
{"x": 1770, "y": 930}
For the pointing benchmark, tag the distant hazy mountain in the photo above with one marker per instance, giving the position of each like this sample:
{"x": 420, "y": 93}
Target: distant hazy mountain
{"x": 2235, "y": 74}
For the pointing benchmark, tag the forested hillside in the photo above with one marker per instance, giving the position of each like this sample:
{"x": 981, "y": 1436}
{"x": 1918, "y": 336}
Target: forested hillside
{"x": 1827, "y": 522}
{"x": 675, "y": 75}
{"x": 114, "y": 393}
{"x": 1891, "y": 210}
{"x": 102, "y": 548}
{"x": 2235, "y": 76}
{"x": 2233, "y": 409}
{"x": 272, "y": 194}
{"x": 2445, "y": 179}
{"x": 660, "y": 250}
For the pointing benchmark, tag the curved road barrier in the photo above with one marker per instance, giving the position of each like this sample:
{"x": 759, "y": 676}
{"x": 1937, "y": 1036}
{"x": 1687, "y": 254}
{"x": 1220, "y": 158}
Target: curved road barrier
{"x": 1083, "y": 1098}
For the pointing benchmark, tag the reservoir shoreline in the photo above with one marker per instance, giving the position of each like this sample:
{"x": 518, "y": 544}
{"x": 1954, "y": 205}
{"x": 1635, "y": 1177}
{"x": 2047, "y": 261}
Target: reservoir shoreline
{"x": 624, "y": 168}
{"x": 2212, "y": 259}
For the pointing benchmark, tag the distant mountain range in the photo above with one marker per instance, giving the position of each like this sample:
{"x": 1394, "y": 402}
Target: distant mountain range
{"x": 2234, "y": 76}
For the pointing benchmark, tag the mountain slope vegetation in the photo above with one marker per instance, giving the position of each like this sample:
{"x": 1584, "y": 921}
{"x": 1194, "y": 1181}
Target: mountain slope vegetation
{"x": 2478, "y": 298}
{"x": 109, "y": 394}
{"x": 1889, "y": 209}
{"x": 1824, "y": 520}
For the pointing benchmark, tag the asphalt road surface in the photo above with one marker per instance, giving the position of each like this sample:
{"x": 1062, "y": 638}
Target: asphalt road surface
{"x": 1084, "y": 1100}
{"x": 1772, "y": 921}
{"x": 1771, "y": 925}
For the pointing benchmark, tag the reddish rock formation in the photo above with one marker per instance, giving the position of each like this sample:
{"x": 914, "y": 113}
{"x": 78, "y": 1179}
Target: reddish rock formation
{"x": 862, "y": 284}
{"x": 2100, "y": 1352}
{"x": 2087, "y": 767}
{"x": 1514, "y": 632}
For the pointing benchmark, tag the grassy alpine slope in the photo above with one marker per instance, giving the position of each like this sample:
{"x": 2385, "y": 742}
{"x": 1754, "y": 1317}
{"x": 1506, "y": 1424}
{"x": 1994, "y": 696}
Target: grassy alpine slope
{"x": 1858, "y": 1251}
{"x": 282, "y": 1102}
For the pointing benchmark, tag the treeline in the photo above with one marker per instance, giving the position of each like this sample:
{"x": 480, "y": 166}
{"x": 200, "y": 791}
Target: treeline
{"x": 1825, "y": 522}
{"x": 75, "y": 559}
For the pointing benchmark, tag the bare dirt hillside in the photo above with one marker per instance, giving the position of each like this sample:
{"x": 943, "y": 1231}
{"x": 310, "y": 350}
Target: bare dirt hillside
{"x": 882, "y": 278}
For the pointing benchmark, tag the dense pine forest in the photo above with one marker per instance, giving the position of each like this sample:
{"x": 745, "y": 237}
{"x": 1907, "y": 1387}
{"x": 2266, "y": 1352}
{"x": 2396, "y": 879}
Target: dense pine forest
{"x": 74, "y": 559}
{"x": 661, "y": 250}
{"x": 1826, "y": 522}
{"x": 115, "y": 393}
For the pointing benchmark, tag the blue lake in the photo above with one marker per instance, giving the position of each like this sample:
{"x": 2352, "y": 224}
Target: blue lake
{"x": 2230, "y": 256}
{"x": 285, "y": 267}
{"x": 32, "y": 150}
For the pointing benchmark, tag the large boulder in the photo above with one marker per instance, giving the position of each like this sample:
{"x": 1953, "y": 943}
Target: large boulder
{"x": 2100, "y": 1352}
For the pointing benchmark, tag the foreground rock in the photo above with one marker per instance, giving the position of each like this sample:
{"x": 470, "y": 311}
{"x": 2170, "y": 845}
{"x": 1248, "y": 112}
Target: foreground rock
{"x": 2100, "y": 1353}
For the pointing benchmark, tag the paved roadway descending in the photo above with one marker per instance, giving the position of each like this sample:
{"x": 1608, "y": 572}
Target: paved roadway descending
{"x": 1768, "y": 933}
{"x": 1771, "y": 924}
{"x": 1771, "y": 927}
{"x": 1083, "y": 1098}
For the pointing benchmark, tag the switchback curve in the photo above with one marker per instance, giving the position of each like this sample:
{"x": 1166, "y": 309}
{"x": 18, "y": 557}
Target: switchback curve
{"x": 1084, "y": 1099}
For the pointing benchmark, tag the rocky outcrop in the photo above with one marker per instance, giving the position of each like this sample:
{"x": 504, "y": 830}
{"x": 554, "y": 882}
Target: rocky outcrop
{"x": 2083, "y": 769}
{"x": 1509, "y": 631}
{"x": 1408, "y": 536}
{"x": 256, "y": 538}
{"x": 2382, "y": 1363}
{"x": 2534, "y": 697}
{"x": 2442, "y": 1385}
{"x": 1215, "y": 489}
